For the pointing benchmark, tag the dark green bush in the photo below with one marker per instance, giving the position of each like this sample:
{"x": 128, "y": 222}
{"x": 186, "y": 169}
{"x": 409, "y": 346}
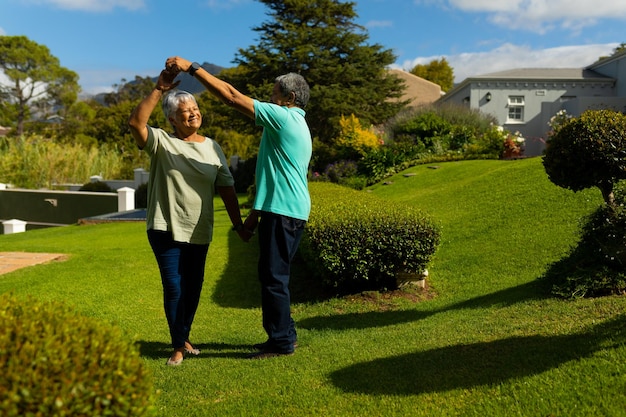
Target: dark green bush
{"x": 141, "y": 196}
{"x": 597, "y": 265}
{"x": 356, "y": 242}
{"x": 244, "y": 174}
{"x": 57, "y": 363}
{"x": 96, "y": 186}
{"x": 588, "y": 151}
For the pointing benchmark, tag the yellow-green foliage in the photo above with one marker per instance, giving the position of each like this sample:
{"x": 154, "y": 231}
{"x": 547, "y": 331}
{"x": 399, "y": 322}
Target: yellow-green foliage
{"x": 233, "y": 143}
{"x": 57, "y": 363}
{"x": 355, "y": 241}
{"x": 356, "y": 137}
{"x": 36, "y": 162}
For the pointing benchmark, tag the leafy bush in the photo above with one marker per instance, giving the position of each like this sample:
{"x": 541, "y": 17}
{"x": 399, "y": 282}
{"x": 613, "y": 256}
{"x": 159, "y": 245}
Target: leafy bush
{"x": 57, "y": 363}
{"x": 588, "y": 151}
{"x": 96, "y": 186}
{"x": 244, "y": 174}
{"x": 354, "y": 139}
{"x": 141, "y": 196}
{"x": 423, "y": 128}
{"x": 355, "y": 242}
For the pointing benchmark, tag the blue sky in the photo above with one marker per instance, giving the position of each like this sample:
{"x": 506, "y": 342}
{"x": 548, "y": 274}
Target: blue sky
{"x": 105, "y": 41}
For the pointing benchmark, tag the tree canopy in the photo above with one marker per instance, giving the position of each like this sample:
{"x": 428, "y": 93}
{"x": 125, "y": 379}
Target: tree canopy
{"x": 319, "y": 40}
{"x": 37, "y": 83}
{"x": 437, "y": 71}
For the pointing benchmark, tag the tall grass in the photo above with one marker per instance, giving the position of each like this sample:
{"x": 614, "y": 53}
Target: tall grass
{"x": 485, "y": 339}
{"x": 36, "y": 162}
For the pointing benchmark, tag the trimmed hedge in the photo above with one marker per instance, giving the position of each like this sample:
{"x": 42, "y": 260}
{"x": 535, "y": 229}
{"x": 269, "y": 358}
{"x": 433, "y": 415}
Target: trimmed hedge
{"x": 356, "y": 242}
{"x": 57, "y": 363}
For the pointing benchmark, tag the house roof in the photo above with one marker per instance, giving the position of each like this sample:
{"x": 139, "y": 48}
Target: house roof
{"x": 608, "y": 59}
{"x": 419, "y": 91}
{"x": 543, "y": 74}
{"x": 535, "y": 75}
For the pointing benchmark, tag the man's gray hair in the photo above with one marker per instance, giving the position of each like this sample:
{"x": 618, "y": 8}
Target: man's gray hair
{"x": 294, "y": 83}
{"x": 172, "y": 101}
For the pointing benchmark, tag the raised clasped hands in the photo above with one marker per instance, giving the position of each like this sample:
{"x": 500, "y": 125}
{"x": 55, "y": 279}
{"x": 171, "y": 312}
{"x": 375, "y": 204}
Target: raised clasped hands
{"x": 166, "y": 80}
{"x": 177, "y": 64}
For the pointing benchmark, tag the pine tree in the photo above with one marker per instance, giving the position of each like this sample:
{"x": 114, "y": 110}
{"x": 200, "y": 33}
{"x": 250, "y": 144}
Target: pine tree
{"x": 319, "y": 40}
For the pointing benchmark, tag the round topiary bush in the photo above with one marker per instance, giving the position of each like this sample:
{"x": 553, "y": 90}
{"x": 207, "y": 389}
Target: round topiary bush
{"x": 57, "y": 363}
{"x": 588, "y": 151}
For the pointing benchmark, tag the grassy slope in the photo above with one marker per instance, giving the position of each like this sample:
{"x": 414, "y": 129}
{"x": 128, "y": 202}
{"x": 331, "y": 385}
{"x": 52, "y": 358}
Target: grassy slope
{"x": 490, "y": 343}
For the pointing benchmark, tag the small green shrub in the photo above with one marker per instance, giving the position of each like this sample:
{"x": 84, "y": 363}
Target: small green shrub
{"x": 57, "y": 363}
{"x": 96, "y": 186}
{"x": 356, "y": 242}
{"x": 141, "y": 196}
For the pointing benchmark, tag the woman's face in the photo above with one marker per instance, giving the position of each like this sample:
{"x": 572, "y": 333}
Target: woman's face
{"x": 187, "y": 117}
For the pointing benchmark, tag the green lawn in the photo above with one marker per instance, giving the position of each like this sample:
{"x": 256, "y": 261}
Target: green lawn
{"x": 489, "y": 342}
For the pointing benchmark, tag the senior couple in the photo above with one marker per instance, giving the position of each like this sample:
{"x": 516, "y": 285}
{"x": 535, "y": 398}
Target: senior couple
{"x": 185, "y": 170}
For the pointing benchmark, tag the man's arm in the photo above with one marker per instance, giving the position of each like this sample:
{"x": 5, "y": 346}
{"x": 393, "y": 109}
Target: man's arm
{"x": 225, "y": 92}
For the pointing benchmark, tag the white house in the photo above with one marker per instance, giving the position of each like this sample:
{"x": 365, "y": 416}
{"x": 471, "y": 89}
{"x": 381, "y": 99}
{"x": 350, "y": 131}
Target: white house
{"x": 524, "y": 100}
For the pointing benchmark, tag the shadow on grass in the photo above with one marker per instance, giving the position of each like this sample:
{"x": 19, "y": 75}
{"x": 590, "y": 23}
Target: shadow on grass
{"x": 525, "y": 292}
{"x": 239, "y": 287}
{"x": 160, "y": 350}
{"x": 468, "y": 366}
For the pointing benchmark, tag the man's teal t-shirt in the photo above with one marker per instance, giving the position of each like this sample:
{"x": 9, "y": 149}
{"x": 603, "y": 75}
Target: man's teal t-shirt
{"x": 283, "y": 161}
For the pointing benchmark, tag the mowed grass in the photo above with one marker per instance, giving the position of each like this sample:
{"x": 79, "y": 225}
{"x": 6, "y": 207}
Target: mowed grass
{"x": 486, "y": 339}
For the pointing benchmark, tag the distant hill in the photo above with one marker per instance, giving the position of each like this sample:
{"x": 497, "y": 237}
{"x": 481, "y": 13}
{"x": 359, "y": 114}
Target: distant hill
{"x": 187, "y": 82}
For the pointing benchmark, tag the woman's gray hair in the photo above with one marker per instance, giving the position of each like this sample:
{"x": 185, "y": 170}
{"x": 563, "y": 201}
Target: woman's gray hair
{"x": 294, "y": 83}
{"x": 172, "y": 101}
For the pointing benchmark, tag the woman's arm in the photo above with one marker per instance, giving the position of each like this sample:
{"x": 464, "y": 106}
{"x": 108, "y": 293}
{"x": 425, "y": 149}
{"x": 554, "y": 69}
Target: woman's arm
{"x": 138, "y": 121}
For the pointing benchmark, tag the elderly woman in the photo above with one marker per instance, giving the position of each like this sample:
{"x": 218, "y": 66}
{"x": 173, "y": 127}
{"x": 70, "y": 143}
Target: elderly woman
{"x": 185, "y": 169}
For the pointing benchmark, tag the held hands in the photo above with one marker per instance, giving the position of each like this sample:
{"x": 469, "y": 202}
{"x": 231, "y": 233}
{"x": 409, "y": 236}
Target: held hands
{"x": 245, "y": 234}
{"x": 252, "y": 221}
{"x": 246, "y": 231}
{"x": 166, "y": 80}
{"x": 176, "y": 64}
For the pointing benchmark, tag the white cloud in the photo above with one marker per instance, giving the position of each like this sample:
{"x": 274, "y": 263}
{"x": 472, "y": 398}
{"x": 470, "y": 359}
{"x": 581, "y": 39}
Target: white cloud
{"x": 91, "y": 5}
{"x": 509, "y": 56}
{"x": 539, "y": 16}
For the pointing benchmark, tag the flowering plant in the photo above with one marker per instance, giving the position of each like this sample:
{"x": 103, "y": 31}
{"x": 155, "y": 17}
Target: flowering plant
{"x": 558, "y": 121}
{"x": 513, "y": 144}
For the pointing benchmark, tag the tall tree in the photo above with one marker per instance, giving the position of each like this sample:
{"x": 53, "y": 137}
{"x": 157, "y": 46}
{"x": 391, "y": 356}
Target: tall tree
{"x": 437, "y": 71}
{"x": 319, "y": 40}
{"x": 37, "y": 83}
